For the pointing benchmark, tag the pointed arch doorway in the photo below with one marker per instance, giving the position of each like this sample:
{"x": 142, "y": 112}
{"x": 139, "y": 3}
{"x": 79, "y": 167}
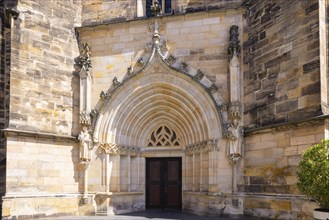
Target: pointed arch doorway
{"x": 163, "y": 188}
{"x": 158, "y": 133}
{"x": 164, "y": 183}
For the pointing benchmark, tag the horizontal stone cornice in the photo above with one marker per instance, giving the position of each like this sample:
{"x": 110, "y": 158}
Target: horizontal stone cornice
{"x": 9, "y": 132}
{"x": 318, "y": 120}
{"x": 45, "y": 195}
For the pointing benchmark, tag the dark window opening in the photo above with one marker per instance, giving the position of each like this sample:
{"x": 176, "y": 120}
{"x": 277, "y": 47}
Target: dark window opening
{"x": 165, "y": 5}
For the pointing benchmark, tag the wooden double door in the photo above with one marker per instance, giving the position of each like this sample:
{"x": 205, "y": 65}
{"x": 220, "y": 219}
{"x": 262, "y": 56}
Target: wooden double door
{"x": 164, "y": 183}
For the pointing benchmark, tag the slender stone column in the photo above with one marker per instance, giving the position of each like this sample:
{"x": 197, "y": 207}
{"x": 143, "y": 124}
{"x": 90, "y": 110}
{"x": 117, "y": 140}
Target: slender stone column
{"x": 234, "y": 126}
{"x": 193, "y": 172}
{"x": 85, "y": 119}
{"x": 107, "y": 173}
{"x": 200, "y": 168}
{"x": 85, "y": 165}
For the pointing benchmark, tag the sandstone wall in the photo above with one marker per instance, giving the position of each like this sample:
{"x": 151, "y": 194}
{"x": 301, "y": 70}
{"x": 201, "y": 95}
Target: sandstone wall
{"x": 5, "y": 49}
{"x": 41, "y": 170}
{"x": 2, "y": 107}
{"x": 200, "y": 40}
{"x": 282, "y": 67}
{"x": 102, "y": 11}
{"x": 44, "y": 92}
{"x": 44, "y": 98}
{"x": 270, "y": 165}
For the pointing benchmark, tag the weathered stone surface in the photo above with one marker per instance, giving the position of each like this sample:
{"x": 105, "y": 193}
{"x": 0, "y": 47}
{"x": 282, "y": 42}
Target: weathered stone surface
{"x": 45, "y": 76}
{"x": 270, "y": 22}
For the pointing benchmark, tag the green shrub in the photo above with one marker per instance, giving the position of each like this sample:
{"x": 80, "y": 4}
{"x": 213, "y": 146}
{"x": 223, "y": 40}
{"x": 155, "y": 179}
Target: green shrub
{"x": 313, "y": 173}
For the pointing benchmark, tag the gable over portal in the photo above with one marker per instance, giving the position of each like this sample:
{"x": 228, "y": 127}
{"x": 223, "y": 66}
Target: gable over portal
{"x": 159, "y": 89}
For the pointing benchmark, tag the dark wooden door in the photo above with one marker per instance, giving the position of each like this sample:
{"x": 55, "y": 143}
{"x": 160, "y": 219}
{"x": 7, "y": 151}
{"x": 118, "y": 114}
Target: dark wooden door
{"x": 164, "y": 183}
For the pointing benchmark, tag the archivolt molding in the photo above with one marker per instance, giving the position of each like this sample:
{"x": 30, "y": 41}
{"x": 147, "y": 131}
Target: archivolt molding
{"x": 157, "y": 49}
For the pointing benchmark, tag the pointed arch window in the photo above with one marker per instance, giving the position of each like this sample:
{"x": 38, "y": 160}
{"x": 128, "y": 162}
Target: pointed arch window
{"x": 165, "y": 5}
{"x": 162, "y": 137}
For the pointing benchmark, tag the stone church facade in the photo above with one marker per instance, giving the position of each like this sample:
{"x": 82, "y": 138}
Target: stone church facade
{"x": 110, "y": 107}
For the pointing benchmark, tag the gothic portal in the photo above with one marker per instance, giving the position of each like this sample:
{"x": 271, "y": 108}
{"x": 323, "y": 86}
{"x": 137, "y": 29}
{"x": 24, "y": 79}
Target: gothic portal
{"x": 162, "y": 113}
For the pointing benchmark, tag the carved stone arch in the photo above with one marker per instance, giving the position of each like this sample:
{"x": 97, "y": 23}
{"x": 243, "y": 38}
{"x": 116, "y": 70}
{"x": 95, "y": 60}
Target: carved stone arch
{"x": 174, "y": 74}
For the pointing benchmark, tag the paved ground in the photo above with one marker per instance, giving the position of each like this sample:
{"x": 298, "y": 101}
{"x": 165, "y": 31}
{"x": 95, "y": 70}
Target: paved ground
{"x": 154, "y": 215}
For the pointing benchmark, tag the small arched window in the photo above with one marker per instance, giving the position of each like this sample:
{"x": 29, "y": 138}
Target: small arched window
{"x": 162, "y": 137}
{"x": 165, "y": 6}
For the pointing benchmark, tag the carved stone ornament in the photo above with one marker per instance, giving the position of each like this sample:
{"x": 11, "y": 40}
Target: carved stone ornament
{"x": 213, "y": 88}
{"x": 10, "y": 13}
{"x": 156, "y": 51}
{"x": 102, "y": 95}
{"x": 163, "y": 136}
{"x": 85, "y": 144}
{"x": 130, "y": 70}
{"x": 141, "y": 62}
{"x": 171, "y": 60}
{"x": 198, "y": 76}
{"x": 234, "y": 114}
{"x": 119, "y": 149}
{"x": 156, "y": 8}
{"x": 84, "y": 59}
{"x": 234, "y": 137}
{"x": 116, "y": 83}
{"x": 234, "y": 47}
{"x": 85, "y": 118}
{"x": 183, "y": 67}
{"x": 204, "y": 146}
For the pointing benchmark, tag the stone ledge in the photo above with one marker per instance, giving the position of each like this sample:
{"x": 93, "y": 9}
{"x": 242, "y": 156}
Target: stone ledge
{"x": 9, "y": 132}
{"x": 110, "y": 194}
{"x": 317, "y": 120}
{"x": 18, "y": 196}
{"x": 277, "y": 196}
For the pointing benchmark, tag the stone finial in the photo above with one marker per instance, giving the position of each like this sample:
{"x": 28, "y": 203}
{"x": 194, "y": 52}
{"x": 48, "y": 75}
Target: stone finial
{"x": 234, "y": 47}
{"x": 85, "y": 61}
{"x": 156, "y": 9}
